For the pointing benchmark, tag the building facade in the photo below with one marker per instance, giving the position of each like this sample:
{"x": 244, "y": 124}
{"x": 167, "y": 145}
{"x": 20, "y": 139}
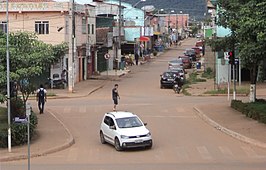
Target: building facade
{"x": 50, "y": 21}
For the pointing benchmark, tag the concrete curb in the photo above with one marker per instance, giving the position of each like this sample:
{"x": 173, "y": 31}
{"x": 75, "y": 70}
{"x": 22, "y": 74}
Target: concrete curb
{"x": 67, "y": 144}
{"x": 228, "y": 131}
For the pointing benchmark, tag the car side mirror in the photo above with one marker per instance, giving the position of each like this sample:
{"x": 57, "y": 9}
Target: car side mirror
{"x": 112, "y": 127}
{"x": 145, "y": 124}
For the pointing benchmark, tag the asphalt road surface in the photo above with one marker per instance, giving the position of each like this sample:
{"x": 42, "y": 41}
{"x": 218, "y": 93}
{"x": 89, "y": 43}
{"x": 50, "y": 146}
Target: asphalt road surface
{"x": 181, "y": 139}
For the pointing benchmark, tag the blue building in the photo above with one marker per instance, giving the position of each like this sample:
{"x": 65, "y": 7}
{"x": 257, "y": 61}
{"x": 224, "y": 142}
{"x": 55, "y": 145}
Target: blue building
{"x": 133, "y": 20}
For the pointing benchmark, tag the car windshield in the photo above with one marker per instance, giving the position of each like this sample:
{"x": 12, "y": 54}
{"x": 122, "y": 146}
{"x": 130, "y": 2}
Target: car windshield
{"x": 169, "y": 74}
{"x": 176, "y": 61}
{"x": 128, "y": 122}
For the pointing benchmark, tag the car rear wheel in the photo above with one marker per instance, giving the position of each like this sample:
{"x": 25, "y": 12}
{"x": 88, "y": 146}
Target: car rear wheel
{"x": 102, "y": 138}
{"x": 117, "y": 145}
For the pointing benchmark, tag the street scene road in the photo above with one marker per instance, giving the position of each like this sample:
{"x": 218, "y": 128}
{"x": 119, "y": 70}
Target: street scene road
{"x": 182, "y": 140}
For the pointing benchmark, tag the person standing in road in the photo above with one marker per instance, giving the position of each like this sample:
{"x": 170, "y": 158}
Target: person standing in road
{"x": 115, "y": 96}
{"x": 41, "y": 98}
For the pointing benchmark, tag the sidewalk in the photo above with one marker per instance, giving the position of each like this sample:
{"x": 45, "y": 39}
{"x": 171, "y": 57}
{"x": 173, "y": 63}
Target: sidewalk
{"x": 62, "y": 138}
{"x": 220, "y": 116}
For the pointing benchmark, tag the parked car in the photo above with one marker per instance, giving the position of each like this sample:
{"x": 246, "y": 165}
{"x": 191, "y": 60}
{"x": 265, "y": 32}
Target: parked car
{"x": 175, "y": 63}
{"x": 191, "y": 53}
{"x": 124, "y": 130}
{"x": 167, "y": 78}
{"x": 180, "y": 72}
{"x": 197, "y": 50}
{"x": 186, "y": 61}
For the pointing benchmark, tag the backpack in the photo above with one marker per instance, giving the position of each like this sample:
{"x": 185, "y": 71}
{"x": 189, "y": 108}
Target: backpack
{"x": 41, "y": 94}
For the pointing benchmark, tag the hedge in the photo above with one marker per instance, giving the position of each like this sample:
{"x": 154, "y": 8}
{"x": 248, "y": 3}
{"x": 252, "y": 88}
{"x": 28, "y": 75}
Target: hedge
{"x": 255, "y": 110}
{"x": 19, "y": 131}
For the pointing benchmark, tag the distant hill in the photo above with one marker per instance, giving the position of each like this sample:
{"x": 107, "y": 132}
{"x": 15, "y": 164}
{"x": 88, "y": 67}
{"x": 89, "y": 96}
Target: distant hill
{"x": 195, "y": 8}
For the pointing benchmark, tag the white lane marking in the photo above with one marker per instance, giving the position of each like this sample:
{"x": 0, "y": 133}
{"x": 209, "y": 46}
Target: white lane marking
{"x": 250, "y": 152}
{"x": 83, "y": 109}
{"x": 226, "y": 151}
{"x": 204, "y": 152}
{"x": 72, "y": 154}
{"x": 67, "y": 109}
{"x": 170, "y": 116}
{"x": 181, "y": 153}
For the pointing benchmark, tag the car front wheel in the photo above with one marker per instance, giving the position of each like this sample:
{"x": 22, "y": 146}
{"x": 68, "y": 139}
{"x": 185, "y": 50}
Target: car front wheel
{"x": 150, "y": 146}
{"x": 117, "y": 145}
{"x": 102, "y": 138}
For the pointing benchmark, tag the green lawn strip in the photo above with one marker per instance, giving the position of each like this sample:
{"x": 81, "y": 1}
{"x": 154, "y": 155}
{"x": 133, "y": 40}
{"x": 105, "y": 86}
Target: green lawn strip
{"x": 184, "y": 89}
{"x": 49, "y": 94}
{"x": 240, "y": 90}
{"x": 3, "y": 118}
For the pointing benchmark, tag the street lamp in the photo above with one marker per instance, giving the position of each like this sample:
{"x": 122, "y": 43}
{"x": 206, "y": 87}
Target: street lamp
{"x": 138, "y": 3}
{"x": 8, "y": 79}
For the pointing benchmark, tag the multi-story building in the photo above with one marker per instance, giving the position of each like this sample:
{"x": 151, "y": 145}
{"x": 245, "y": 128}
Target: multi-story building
{"x": 50, "y": 21}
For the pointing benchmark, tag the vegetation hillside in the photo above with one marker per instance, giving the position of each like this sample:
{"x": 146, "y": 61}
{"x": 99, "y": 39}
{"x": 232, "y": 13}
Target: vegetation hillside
{"x": 195, "y": 8}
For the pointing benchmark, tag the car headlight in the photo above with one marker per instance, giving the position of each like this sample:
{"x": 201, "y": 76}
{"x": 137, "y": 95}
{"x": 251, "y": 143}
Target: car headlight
{"x": 148, "y": 134}
{"x": 124, "y": 137}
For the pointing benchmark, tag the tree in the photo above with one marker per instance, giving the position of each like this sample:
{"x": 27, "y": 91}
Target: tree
{"x": 246, "y": 19}
{"x": 29, "y": 58}
{"x": 252, "y": 39}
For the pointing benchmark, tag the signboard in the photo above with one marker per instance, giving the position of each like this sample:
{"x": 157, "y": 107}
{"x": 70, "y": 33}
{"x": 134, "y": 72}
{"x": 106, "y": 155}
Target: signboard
{"x": 226, "y": 56}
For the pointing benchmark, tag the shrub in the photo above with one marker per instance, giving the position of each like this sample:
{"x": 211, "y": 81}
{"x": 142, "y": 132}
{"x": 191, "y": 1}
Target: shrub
{"x": 17, "y": 107}
{"x": 255, "y": 110}
{"x": 19, "y": 131}
{"x": 208, "y": 73}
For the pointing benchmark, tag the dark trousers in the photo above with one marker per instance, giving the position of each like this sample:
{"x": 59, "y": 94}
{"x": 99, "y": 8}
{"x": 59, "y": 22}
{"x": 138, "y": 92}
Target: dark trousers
{"x": 41, "y": 105}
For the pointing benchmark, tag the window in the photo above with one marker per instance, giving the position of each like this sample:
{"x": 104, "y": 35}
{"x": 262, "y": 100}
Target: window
{"x": 42, "y": 27}
{"x": 89, "y": 29}
{"x": 83, "y": 25}
{"x": 92, "y": 28}
{"x": 3, "y": 26}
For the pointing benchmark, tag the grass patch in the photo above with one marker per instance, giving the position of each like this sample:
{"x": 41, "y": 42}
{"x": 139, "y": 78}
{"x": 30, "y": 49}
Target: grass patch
{"x": 193, "y": 78}
{"x": 3, "y": 118}
{"x": 224, "y": 91}
{"x": 184, "y": 89}
{"x": 255, "y": 110}
{"x": 208, "y": 73}
{"x": 49, "y": 94}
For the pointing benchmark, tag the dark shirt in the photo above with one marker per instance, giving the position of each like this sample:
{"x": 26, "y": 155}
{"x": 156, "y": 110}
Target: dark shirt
{"x": 114, "y": 93}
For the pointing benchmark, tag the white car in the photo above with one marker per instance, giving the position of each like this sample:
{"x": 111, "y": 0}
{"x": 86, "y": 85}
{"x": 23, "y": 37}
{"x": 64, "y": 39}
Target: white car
{"x": 175, "y": 64}
{"x": 124, "y": 130}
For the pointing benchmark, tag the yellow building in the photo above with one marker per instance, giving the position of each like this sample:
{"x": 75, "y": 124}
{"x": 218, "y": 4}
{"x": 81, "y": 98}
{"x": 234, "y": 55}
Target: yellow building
{"x": 50, "y": 20}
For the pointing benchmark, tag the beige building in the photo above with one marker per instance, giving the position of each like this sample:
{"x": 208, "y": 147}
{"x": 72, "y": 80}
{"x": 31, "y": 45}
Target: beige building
{"x": 50, "y": 20}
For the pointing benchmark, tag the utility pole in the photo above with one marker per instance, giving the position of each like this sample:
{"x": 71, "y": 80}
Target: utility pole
{"x": 71, "y": 54}
{"x": 8, "y": 80}
{"x": 119, "y": 25}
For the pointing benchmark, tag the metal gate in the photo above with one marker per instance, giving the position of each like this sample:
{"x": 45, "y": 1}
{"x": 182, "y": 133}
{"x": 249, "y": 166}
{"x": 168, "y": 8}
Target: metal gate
{"x": 101, "y": 61}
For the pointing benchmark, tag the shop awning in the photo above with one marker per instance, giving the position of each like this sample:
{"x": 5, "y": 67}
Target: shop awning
{"x": 156, "y": 33}
{"x": 143, "y": 38}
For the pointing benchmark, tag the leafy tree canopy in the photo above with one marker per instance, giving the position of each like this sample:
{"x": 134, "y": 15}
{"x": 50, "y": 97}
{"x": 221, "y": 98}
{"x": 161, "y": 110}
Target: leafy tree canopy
{"x": 246, "y": 20}
{"x": 29, "y": 58}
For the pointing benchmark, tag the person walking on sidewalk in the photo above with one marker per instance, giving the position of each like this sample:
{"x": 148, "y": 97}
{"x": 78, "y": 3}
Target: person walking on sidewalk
{"x": 41, "y": 98}
{"x": 115, "y": 96}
